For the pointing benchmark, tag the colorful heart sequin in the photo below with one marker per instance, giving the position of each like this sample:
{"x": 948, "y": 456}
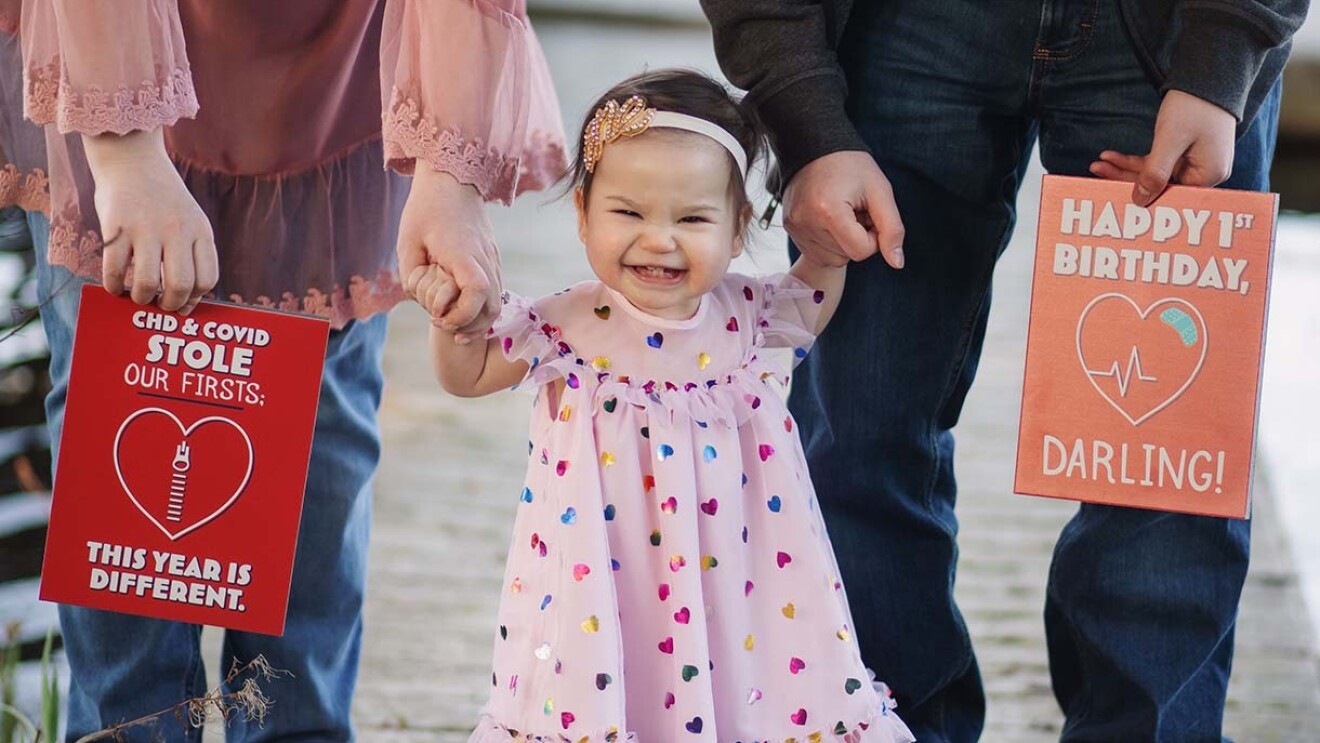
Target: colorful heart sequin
{"x": 655, "y": 340}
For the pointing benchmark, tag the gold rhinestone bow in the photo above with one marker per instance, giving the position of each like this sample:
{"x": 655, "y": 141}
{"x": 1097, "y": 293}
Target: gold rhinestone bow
{"x": 611, "y": 122}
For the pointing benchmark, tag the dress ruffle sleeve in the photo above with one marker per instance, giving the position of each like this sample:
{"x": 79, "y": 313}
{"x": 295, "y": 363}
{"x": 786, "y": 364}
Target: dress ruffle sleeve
{"x": 787, "y": 314}
{"x": 524, "y": 335}
{"x": 465, "y": 87}
{"x": 98, "y": 66}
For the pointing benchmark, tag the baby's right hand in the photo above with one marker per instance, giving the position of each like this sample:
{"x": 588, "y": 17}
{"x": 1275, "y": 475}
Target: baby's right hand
{"x": 434, "y": 290}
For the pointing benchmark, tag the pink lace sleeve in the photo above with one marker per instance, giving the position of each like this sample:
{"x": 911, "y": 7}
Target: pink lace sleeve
{"x": 466, "y": 88}
{"x": 97, "y": 66}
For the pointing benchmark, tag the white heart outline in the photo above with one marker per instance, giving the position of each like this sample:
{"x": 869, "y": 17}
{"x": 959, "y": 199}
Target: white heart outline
{"x": 1205, "y": 345}
{"x": 186, "y": 432}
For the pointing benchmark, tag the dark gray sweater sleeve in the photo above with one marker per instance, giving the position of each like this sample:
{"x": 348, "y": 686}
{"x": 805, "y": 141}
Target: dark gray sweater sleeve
{"x": 781, "y": 52}
{"x": 1223, "y": 44}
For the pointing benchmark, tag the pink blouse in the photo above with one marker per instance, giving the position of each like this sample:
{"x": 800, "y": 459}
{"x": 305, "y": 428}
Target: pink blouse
{"x": 293, "y": 124}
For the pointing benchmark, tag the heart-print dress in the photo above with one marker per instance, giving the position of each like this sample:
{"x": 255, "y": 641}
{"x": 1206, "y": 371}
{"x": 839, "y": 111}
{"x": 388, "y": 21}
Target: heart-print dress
{"x": 670, "y": 578}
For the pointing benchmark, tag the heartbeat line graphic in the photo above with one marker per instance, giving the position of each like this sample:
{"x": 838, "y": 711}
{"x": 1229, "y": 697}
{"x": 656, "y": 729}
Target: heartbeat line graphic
{"x": 1124, "y": 377}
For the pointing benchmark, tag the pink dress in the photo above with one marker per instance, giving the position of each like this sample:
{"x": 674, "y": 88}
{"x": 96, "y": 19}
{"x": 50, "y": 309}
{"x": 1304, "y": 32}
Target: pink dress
{"x": 293, "y": 124}
{"x": 670, "y": 577}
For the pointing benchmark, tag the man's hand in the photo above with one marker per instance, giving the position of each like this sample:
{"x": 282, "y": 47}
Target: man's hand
{"x": 840, "y": 207}
{"x": 1193, "y": 146}
{"x": 445, "y": 224}
{"x": 157, "y": 239}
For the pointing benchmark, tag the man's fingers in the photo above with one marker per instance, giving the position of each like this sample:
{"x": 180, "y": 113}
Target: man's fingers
{"x": 846, "y": 231}
{"x": 1111, "y": 172}
{"x": 146, "y": 270}
{"x": 1123, "y": 161}
{"x": 825, "y": 254}
{"x": 1158, "y": 169}
{"x": 886, "y": 222}
{"x": 177, "y": 276}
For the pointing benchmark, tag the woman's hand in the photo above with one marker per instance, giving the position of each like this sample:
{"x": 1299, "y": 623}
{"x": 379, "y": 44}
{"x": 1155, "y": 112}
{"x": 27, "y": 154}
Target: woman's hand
{"x": 157, "y": 239}
{"x": 445, "y": 224}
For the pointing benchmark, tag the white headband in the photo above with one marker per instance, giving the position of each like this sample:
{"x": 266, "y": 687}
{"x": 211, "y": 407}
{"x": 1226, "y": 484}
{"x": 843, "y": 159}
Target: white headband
{"x": 613, "y": 121}
{"x": 671, "y": 120}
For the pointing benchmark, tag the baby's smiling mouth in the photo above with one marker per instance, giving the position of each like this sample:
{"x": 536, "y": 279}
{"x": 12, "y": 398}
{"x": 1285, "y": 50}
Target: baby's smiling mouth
{"x": 657, "y": 273}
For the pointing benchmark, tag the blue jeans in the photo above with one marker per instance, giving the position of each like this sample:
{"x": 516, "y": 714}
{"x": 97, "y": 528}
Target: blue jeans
{"x": 951, "y": 95}
{"x": 126, "y": 666}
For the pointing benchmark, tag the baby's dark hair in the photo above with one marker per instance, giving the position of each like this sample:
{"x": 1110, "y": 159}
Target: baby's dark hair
{"x": 688, "y": 92}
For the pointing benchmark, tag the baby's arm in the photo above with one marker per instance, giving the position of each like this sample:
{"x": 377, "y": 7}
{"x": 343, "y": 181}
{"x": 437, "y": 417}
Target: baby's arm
{"x": 464, "y": 367}
{"x": 822, "y": 278}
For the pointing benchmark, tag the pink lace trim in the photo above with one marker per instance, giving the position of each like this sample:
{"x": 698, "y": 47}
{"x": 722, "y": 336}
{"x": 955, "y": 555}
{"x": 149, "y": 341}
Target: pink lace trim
{"x": 409, "y": 134}
{"x": 28, "y": 191}
{"x": 80, "y": 252}
{"x": 91, "y": 110}
{"x": 363, "y": 298}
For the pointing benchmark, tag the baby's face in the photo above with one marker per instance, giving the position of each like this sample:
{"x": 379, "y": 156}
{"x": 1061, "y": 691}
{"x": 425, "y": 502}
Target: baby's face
{"x": 659, "y": 225}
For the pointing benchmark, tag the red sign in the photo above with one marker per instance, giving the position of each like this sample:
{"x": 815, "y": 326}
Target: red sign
{"x": 183, "y": 461}
{"x": 1144, "y": 347}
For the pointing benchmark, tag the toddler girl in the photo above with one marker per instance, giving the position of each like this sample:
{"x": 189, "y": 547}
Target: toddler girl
{"x": 670, "y": 577}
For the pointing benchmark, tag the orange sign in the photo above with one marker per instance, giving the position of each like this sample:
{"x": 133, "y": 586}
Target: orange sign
{"x": 1144, "y": 347}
